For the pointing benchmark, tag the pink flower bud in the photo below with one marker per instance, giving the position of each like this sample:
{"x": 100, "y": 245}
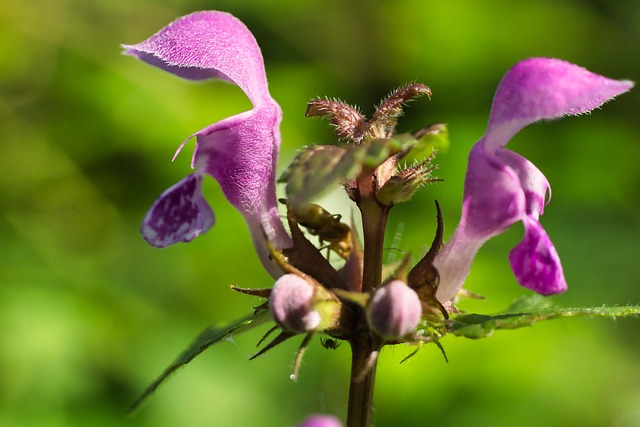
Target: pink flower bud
{"x": 394, "y": 310}
{"x": 291, "y": 304}
{"x": 302, "y": 306}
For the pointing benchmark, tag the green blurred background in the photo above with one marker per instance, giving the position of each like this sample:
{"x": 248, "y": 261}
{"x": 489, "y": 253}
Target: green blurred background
{"x": 89, "y": 314}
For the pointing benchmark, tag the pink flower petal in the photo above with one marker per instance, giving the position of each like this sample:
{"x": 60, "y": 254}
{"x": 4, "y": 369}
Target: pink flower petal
{"x": 240, "y": 152}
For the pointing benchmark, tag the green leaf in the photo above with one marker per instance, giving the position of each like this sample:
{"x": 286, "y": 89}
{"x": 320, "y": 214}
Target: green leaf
{"x": 528, "y": 303}
{"x": 482, "y": 326}
{"x": 206, "y": 339}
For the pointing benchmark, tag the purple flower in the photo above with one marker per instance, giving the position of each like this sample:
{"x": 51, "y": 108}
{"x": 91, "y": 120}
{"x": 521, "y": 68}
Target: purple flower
{"x": 321, "y": 421}
{"x": 502, "y": 187}
{"x": 240, "y": 152}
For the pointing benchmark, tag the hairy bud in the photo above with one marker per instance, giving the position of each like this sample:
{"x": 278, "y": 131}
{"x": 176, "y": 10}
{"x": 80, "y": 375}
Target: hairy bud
{"x": 349, "y": 123}
{"x": 392, "y": 105}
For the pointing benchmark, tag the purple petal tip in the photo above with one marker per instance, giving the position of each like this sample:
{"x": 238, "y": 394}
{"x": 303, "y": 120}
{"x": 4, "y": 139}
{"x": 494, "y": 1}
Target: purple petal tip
{"x": 207, "y": 44}
{"x": 180, "y": 214}
{"x": 544, "y": 88}
{"x": 535, "y": 261}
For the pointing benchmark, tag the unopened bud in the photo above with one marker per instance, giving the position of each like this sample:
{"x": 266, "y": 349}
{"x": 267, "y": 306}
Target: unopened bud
{"x": 349, "y": 123}
{"x": 301, "y": 306}
{"x": 392, "y": 105}
{"x": 394, "y": 310}
{"x": 399, "y": 188}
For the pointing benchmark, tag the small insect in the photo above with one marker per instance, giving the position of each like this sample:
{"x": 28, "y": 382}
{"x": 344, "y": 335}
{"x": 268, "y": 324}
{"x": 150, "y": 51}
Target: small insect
{"x": 329, "y": 344}
{"x": 325, "y": 225}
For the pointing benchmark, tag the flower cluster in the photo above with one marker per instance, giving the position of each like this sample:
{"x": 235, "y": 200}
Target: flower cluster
{"x": 362, "y": 301}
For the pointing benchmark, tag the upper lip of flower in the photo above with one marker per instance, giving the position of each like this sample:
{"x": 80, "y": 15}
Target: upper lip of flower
{"x": 502, "y": 187}
{"x": 240, "y": 152}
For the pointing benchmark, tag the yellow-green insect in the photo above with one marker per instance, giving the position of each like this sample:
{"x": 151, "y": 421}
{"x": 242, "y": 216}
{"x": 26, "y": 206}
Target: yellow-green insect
{"x": 325, "y": 225}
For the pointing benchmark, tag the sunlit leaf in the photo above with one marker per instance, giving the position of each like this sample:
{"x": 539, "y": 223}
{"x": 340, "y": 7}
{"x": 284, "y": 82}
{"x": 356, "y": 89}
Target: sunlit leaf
{"x": 529, "y": 303}
{"x": 523, "y": 312}
{"x": 206, "y": 339}
{"x": 482, "y": 326}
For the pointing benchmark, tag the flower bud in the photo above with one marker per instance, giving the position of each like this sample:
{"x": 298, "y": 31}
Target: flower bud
{"x": 401, "y": 187}
{"x": 394, "y": 310}
{"x": 301, "y": 306}
{"x": 348, "y": 122}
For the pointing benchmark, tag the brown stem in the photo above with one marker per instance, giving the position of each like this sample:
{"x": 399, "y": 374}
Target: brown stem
{"x": 374, "y": 221}
{"x": 363, "y": 353}
{"x": 361, "y": 386}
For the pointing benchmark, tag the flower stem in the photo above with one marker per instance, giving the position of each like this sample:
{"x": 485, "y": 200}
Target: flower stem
{"x": 360, "y": 386}
{"x": 374, "y": 221}
{"x": 363, "y": 354}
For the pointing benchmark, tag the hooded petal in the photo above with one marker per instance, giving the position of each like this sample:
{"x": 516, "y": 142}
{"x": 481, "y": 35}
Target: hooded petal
{"x": 180, "y": 214}
{"x": 208, "y": 44}
{"x": 493, "y": 200}
{"x": 545, "y": 88}
{"x": 535, "y": 261}
{"x": 493, "y": 197}
{"x": 241, "y": 151}
{"x": 502, "y": 187}
{"x": 532, "y": 181}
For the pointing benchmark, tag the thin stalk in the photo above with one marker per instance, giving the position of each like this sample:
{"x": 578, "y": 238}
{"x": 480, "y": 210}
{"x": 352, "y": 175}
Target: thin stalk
{"x": 360, "y": 387}
{"x": 363, "y": 367}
